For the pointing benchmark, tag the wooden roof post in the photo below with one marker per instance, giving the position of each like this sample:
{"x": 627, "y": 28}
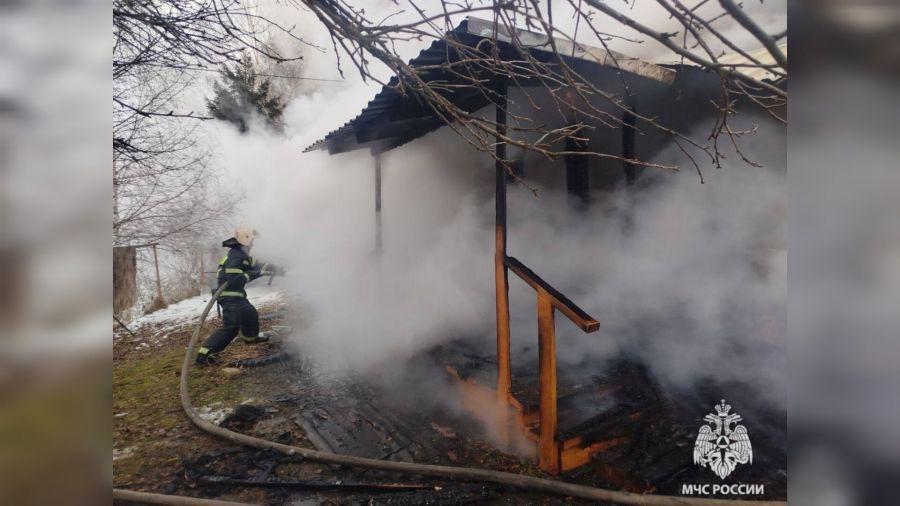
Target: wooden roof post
{"x": 578, "y": 174}
{"x": 628, "y": 152}
{"x": 504, "y": 376}
{"x": 378, "y": 241}
{"x": 628, "y": 126}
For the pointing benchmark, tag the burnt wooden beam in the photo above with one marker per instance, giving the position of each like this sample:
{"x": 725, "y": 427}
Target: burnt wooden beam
{"x": 578, "y": 178}
{"x": 631, "y": 171}
{"x": 501, "y": 280}
{"x": 378, "y": 241}
{"x": 628, "y": 134}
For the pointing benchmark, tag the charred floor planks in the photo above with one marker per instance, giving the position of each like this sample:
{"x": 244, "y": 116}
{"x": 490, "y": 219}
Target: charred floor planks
{"x": 641, "y": 435}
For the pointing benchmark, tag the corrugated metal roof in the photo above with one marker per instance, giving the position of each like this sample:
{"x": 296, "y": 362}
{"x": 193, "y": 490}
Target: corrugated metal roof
{"x": 761, "y": 55}
{"x": 392, "y": 119}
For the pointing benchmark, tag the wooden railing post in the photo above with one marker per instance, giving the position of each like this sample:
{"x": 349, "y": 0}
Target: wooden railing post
{"x": 548, "y": 446}
{"x": 549, "y": 300}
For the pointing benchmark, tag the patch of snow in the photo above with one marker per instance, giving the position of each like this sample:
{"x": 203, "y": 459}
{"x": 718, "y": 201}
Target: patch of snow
{"x": 252, "y": 401}
{"x": 123, "y": 453}
{"x": 213, "y": 415}
{"x": 187, "y": 311}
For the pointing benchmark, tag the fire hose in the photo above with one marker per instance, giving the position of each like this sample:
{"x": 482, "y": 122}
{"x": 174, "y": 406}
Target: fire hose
{"x": 519, "y": 481}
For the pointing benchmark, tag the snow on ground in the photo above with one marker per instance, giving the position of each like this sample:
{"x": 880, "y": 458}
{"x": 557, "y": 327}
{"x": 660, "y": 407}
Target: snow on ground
{"x": 123, "y": 453}
{"x": 215, "y": 413}
{"x": 187, "y": 312}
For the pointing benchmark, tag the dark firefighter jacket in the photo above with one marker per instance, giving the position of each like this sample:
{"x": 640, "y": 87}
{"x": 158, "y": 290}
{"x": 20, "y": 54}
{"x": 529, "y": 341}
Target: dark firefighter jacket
{"x": 237, "y": 268}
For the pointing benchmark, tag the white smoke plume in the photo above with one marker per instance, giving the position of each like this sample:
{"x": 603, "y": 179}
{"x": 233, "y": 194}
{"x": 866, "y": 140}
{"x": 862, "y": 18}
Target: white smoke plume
{"x": 695, "y": 286}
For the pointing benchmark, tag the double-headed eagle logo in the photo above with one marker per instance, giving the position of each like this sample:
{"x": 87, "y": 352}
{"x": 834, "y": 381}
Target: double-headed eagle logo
{"x": 720, "y": 446}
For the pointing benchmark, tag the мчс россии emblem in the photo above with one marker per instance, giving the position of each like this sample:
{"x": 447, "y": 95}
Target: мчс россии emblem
{"x": 720, "y": 446}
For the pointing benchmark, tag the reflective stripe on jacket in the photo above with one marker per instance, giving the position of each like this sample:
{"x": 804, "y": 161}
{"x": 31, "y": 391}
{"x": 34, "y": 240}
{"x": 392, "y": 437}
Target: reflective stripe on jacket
{"x": 237, "y": 268}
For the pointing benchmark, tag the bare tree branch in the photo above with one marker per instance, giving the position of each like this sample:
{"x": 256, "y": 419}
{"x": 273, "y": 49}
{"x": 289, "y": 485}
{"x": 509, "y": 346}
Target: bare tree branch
{"x": 474, "y": 70}
{"x": 768, "y": 42}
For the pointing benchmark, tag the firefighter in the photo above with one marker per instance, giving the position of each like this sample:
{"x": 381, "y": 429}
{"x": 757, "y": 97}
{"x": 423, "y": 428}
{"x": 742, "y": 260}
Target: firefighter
{"x": 237, "y": 268}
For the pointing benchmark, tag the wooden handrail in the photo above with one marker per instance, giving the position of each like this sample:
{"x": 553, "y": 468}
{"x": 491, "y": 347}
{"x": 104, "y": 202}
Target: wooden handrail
{"x": 578, "y": 316}
{"x": 549, "y": 300}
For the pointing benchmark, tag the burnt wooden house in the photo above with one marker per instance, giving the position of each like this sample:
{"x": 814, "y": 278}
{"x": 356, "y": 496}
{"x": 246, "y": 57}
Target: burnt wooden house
{"x": 677, "y": 95}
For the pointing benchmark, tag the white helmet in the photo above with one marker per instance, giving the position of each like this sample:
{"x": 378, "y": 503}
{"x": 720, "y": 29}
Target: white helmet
{"x": 245, "y": 235}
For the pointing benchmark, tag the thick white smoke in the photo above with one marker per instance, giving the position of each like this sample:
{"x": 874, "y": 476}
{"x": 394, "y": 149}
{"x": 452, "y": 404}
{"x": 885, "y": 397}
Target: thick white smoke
{"x": 695, "y": 285}
{"x": 690, "y": 277}
{"x": 316, "y": 216}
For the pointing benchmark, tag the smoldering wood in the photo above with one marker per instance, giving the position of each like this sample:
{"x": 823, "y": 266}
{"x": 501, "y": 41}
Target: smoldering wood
{"x": 613, "y": 420}
{"x": 541, "y": 485}
{"x": 272, "y": 358}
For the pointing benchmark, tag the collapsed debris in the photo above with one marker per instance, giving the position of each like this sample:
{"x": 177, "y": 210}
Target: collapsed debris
{"x": 272, "y": 358}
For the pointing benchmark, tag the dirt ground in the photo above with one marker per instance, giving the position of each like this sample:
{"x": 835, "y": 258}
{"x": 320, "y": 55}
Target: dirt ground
{"x": 292, "y": 401}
